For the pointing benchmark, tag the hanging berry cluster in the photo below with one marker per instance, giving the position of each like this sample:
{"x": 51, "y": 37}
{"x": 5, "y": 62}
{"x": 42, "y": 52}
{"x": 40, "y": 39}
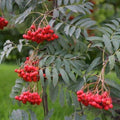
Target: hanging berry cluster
{"x": 29, "y": 72}
{"x": 96, "y": 94}
{"x": 33, "y": 98}
{"x": 101, "y": 101}
{"x": 41, "y": 34}
{"x": 3, "y": 23}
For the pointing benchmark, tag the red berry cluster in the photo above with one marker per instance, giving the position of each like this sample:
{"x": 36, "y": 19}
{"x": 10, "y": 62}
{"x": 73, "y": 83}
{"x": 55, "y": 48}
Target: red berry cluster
{"x": 29, "y": 73}
{"x": 33, "y": 98}
{"x": 102, "y": 101}
{"x": 41, "y": 34}
{"x": 3, "y": 23}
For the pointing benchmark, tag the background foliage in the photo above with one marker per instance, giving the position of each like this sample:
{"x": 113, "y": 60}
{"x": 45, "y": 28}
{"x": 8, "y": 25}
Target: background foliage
{"x": 76, "y": 55}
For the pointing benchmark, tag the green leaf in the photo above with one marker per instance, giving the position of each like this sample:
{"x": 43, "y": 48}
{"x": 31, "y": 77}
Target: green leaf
{"x": 77, "y": 116}
{"x": 59, "y": 2}
{"x": 75, "y": 101}
{"x": 51, "y": 48}
{"x": 72, "y": 8}
{"x": 2, "y": 56}
{"x": 76, "y": 19}
{"x": 19, "y": 46}
{"x": 50, "y": 60}
{"x": 77, "y": 33}
{"x": 118, "y": 55}
{"x": 72, "y": 29}
{"x": 19, "y": 2}
{"x": 22, "y": 16}
{"x": 83, "y": 117}
{"x": 76, "y": 71}
{"x": 115, "y": 93}
{"x": 18, "y": 86}
{"x": 2, "y": 4}
{"x": 45, "y": 59}
{"x": 97, "y": 118}
{"x": 115, "y": 44}
{"x": 41, "y": 76}
{"x": 63, "y": 43}
{"x": 94, "y": 63}
{"x": 25, "y": 115}
{"x": 50, "y": 113}
{"x": 95, "y": 38}
{"x": 16, "y": 115}
{"x": 74, "y": 64}
{"x": 41, "y": 63}
{"x": 113, "y": 84}
{"x": 48, "y": 75}
{"x": 111, "y": 26}
{"x": 61, "y": 97}
{"x": 64, "y": 75}
{"x": 112, "y": 61}
{"x": 68, "y": 118}
{"x": 9, "y": 5}
{"x": 88, "y": 24}
{"x": 58, "y": 26}
{"x": 76, "y": 85}
{"x": 53, "y": 91}
{"x": 19, "y": 81}
{"x": 55, "y": 13}
{"x": 72, "y": 76}
{"x": 67, "y": 65}
{"x": 68, "y": 98}
{"x": 55, "y": 76}
{"x": 115, "y": 22}
{"x": 77, "y": 1}
{"x": 58, "y": 63}
{"x": 56, "y": 46}
{"x": 62, "y": 10}
{"x": 81, "y": 21}
{"x": 68, "y": 56}
{"x": 72, "y": 1}
{"x": 117, "y": 70}
{"x": 66, "y": 2}
{"x": 32, "y": 115}
{"x": 51, "y": 22}
{"x": 9, "y": 51}
{"x": 66, "y": 29}
{"x": 107, "y": 29}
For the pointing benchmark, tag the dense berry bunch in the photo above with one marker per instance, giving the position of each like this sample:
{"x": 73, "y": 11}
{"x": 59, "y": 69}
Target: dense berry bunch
{"x": 41, "y": 34}
{"x": 102, "y": 101}
{"x": 33, "y": 98}
{"x": 29, "y": 73}
{"x": 3, "y": 23}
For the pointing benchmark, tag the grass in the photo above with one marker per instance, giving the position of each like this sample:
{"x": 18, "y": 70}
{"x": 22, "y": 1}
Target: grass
{"x": 7, "y": 81}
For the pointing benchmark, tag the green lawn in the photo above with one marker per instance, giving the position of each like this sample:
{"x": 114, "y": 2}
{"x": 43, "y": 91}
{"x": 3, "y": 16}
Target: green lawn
{"x": 7, "y": 80}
